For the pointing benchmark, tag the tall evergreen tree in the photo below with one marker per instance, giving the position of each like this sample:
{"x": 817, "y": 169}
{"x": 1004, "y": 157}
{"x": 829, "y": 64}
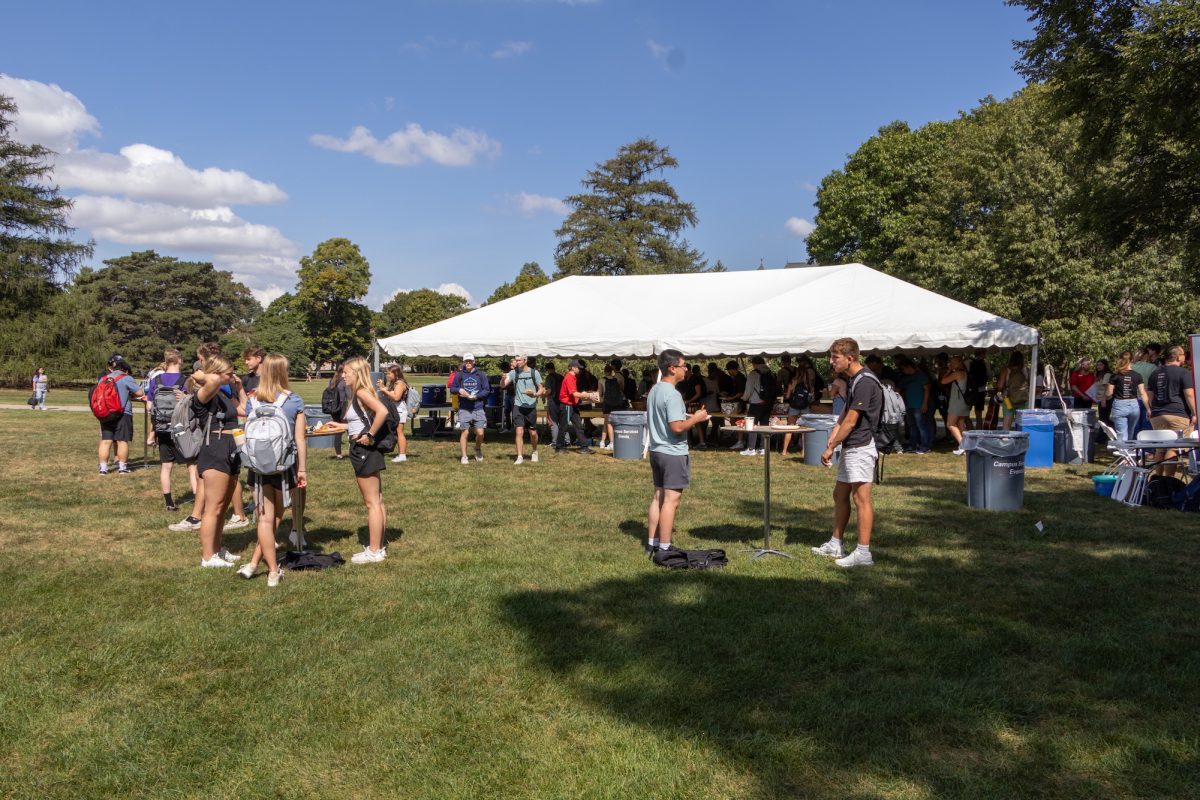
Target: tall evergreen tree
{"x": 630, "y": 219}
{"x": 36, "y": 254}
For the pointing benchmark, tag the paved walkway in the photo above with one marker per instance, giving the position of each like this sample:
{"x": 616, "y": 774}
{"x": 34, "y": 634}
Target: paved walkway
{"x": 23, "y": 407}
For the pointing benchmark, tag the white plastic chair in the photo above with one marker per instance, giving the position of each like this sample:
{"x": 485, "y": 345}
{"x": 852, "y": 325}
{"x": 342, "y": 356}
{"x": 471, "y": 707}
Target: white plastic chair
{"x": 1122, "y": 456}
{"x": 1157, "y": 436}
{"x": 1130, "y": 487}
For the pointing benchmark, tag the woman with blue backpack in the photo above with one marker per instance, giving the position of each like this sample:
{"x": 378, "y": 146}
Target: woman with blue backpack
{"x": 276, "y": 455}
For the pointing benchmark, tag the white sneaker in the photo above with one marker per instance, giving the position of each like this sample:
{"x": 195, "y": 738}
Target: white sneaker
{"x": 856, "y": 559}
{"x": 478, "y": 454}
{"x": 246, "y": 571}
{"x": 233, "y": 523}
{"x": 761, "y": 452}
{"x": 273, "y": 578}
{"x": 959, "y": 451}
{"x": 369, "y": 556}
{"x": 520, "y": 460}
{"x": 749, "y": 452}
{"x": 400, "y": 459}
{"x": 533, "y": 456}
{"x": 297, "y": 541}
{"x": 831, "y": 548}
{"x": 228, "y": 556}
{"x": 184, "y": 525}
{"x": 465, "y": 460}
{"x": 215, "y": 561}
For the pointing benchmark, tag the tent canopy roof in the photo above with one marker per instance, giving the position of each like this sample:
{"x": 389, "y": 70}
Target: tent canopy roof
{"x": 716, "y": 313}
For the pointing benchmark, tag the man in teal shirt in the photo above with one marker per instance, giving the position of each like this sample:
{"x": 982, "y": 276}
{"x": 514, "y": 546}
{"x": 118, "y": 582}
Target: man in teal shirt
{"x": 528, "y": 384}
{"x": 670, "y": 464}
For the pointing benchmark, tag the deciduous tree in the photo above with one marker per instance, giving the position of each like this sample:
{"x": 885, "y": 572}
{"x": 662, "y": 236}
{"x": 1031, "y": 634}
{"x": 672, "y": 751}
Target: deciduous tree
{"x": 408, "y": 311}
{"x": 333, "y": 281}
{"x": 530, "y": 277}
{"x": 280, "y": 329}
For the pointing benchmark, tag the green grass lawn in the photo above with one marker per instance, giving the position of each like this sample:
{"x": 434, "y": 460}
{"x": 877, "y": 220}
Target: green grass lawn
{"x": 517, "y": 644}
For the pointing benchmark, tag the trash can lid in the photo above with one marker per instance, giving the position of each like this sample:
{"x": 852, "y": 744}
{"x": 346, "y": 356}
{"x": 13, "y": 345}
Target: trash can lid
{"x": 996, "y": 443}
{"x": 819, "y": 421}
{"x": 628, "y": 417}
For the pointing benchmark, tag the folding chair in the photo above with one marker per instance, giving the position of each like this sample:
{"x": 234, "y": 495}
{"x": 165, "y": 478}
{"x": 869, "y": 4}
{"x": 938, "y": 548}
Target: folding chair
{"x": 1130, "y": 487}
{"x": 1159, "y": 436}
{"x": 1122, "y": 456}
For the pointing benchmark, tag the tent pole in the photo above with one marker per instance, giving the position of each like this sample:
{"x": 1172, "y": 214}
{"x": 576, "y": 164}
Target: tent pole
{"x": 376, "y": 355}
{"x": 1033, "y": 366}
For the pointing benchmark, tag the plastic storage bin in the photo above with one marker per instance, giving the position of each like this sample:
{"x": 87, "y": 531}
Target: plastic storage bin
{"x": 1040, "y": 427}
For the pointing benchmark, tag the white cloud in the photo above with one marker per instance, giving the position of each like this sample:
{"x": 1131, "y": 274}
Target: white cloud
{"x": 414, "y": 145}
{"x": 530, "y": 204}
{"x": 47, "y": 114}
{"x": 798, "y": 226}
{"x": 673, "y": 58}
{"x": 458, "y": 289}
{"x": 512, "y": 49}
{"x": 809, "y": 186}
{"x": 150, "y": 173}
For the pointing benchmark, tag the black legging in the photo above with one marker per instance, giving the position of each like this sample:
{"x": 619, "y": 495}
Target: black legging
{"x": 568, "y": 415}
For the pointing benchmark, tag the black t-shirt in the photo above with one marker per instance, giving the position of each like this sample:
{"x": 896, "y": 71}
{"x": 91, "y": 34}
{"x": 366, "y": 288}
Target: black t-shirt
{"x": 553, "y": 384}
{"x": 977, "y": 375}
{"x": 739, "y": 383}
{"x": 223, "y": 409}
{"x": 1166, "y": 387}
{"x": 250, "y": 381}
{"x": 1125, "y": 385}
{"x": 866, "y": 397}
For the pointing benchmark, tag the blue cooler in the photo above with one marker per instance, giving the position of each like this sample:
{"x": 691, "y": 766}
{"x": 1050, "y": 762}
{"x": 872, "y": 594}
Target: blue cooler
{"x": 1040, "y": 427}
{"x": 433, "y": 394}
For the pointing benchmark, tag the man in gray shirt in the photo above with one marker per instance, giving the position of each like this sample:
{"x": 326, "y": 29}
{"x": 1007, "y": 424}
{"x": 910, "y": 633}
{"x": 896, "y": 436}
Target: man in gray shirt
{"x": 670, "y": 464}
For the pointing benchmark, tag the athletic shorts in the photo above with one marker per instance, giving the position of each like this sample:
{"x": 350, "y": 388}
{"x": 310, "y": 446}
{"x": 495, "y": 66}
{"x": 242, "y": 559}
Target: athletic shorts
{"x": 525, "y": 417}
{"x": 670, "y": 471}
{"x": 221, "y": 454}
{"x": 858, "y": 464}
{"x": 167, "y": 453}
{"x": 366, "y": 460}
{"x": 119, "y": 430}
{"x": 476, "y": 418}
{"x": 1170, "y": 422}
{"x": 274, "y": 481}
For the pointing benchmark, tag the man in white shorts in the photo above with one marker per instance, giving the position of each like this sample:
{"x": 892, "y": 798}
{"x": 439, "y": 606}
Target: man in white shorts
{"x": 855, "y": 431}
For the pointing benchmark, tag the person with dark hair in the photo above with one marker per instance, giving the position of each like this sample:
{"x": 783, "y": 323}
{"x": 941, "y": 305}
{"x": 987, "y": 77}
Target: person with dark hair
{"x": 1172, "y": 394}
{"x": 915, "y": 389}
{"x": 732, "y": 389}
{"x": 553, "y": 407}
{"x": 528, "y": 386}
{"x": 1012, "y": 388}
{"x": 612, "y": 398}
{"x": 41, "y": 384}
{"x": 569, "y": 394}
{"x": 119, "y": 430}
{"x": 855, "y": 431}
{"x": 759, "y": 395}
{"x": 977, "y": 382}
{"x": 396, "y": 387}
{"x": 670, "y": 463}
{"x": 1149, "y": 359}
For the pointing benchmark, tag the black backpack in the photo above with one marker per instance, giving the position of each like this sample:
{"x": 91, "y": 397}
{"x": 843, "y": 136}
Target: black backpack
{"x": 1161, "y": 491}
{"x": 674, "y": 558}
{"x": 801, "y": 397}
{"x": 333, "y": 402}
{"x": 768, "y": 389}
{"x": 387, "y": 439}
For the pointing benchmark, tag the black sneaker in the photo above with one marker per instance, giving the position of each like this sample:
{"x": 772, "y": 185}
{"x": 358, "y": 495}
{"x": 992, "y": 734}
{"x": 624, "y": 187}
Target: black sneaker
{"x": 585, "y": 451}
{"x": 123, "y": 471}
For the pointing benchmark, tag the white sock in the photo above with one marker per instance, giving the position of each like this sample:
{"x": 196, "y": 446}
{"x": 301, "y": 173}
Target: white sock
{"x": 864, "y": 549}
{"x": 654, "y": 542}
{"x": 121, "y": 465}
{"x": 835, "y": 541}
{"x": 103, "y": 467}
{"x": 664, "y": 545}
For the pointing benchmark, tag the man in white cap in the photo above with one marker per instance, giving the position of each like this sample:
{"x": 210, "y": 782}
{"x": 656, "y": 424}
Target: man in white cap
{"x": 472, "y": 388}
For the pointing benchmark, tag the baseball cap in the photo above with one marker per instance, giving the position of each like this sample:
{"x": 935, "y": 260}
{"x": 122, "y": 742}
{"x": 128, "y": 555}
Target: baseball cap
{"x": 468, "y": 357}
{"x": 575, "y": 362}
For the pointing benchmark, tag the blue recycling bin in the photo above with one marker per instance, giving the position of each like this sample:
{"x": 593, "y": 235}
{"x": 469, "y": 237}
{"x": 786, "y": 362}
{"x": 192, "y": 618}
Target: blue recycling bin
{"x": 1040, "y": 427}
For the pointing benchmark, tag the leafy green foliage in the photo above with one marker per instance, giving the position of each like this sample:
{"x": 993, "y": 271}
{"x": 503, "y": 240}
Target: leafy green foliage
{"x": 333, "y": 281}
{"x": 630, "y": 220}
{"x": 280, "y": 329}
{"x": 985, "y": 210}
{"x": 65, "y": 336}
{"x": 149, "y": 302}
{"x": 530, "y": 277}
{"x": 408, "y": 311}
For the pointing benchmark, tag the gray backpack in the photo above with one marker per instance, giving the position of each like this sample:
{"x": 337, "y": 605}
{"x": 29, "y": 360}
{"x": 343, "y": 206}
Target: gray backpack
{"x": 185, "y": 430}
{"x": 163, "y": 407}
{"x": 270, "y": 447}
{"x": 412, "y": 399}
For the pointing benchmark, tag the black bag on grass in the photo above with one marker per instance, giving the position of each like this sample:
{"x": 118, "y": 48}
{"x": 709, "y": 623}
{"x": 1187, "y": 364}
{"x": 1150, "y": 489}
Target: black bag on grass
{"x": 1161, "y": 490}
{"x": 313, "y": 561}
{"x": 674, "y": 558}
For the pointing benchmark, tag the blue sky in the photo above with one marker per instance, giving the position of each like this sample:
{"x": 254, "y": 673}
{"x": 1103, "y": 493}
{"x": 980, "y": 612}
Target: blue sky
{"x": 441, "y": 137}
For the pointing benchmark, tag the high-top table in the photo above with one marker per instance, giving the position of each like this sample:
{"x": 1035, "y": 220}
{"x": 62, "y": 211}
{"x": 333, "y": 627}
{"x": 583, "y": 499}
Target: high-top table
{"x": 767, "y": 431}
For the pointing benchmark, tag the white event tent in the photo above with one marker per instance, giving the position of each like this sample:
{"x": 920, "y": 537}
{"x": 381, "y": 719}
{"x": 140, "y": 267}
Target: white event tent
{"x": 798, "y": 310}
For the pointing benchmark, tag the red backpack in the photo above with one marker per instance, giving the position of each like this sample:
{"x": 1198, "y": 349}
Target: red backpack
{"x": 106, "y": 400}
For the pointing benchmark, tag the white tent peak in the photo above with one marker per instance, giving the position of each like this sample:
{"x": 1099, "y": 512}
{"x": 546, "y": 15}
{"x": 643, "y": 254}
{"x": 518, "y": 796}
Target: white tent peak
{"x": 716, "y": 313}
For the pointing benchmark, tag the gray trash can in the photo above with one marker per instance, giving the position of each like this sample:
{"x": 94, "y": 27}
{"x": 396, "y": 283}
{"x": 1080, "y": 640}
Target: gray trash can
{"x": 816, "y": 440}
{"x": 314, "y": 416}
{"x": 629, "y": 432}
{"x": 996, "y": 469}
{"x": 1075, "y": 444}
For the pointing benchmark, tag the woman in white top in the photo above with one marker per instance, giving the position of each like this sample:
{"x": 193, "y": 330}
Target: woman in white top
{"x": 397, "y": 389}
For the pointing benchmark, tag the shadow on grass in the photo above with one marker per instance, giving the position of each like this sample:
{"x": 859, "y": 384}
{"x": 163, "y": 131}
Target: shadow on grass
{"x": 847, "y": 685}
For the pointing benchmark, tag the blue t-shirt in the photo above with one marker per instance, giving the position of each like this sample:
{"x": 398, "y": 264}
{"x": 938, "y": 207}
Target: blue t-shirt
{"x": 529, "y": 379}
{"x": 664, "y": 405}
{"x": 291, "y": 408}
{"x": 912, "y": 388}
{"x": 127, "y": 387}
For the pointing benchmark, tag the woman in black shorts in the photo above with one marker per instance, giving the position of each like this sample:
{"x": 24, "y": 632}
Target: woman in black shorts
{"x": 218, "y": 461}
{"x": 365, "y": 415}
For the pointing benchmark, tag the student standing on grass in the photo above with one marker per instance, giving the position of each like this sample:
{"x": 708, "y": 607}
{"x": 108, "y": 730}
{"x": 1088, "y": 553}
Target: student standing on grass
{"x": 552, "y": 386}
{"x": 163, "y": 386}
{"x": 528, "y": 387}
{"x": 269, "y": 490}
{"x": 219, "y": 461}
{"x": 670, "y": 463}
{"x": 365, "y": 415}
{"x": 396, "y": 388}
{"x": 1172, "y": 402}
{"x": 855, "y": 431}
{"x": 119, "y": 430}
{"x": 472, "y": 388}
{"x": 568, "y": 403}
{"x": 41, "y": 384}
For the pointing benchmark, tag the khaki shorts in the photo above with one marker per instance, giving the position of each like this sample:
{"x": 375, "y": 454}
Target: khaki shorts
{"x": 1170, "y": 422}
{"x": 858, "y": 464}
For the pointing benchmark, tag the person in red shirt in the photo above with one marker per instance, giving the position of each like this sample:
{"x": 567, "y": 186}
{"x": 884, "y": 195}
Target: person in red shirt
{"x": 568, "y": 401}
{"x": 1081, "y": 379}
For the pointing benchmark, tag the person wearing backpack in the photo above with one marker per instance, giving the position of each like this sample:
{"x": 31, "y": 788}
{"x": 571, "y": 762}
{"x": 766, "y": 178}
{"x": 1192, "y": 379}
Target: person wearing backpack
{"x": 366, "y": 416}
{"x": 759, "y": 394}
{"x": 1012, "y": 388}
{"x": 285, "y": 441}
{"x": 218, "y": 460}
{"x": 528, "y": 387}
{"x": 612, "y": 398}
{"x": 855, "y": 431}
{"x": 801, "y": 394}
{"x": 112, "y": 403}
{"x": 161, "y": 396}
{"x": 397, "y": 388}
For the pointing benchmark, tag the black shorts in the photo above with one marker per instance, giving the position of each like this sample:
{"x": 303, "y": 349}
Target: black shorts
{"x": 221, "y": 454}
{"x": 525, "y": 417}
{"x": 167, "y": 453}
{"x": 670, "y": 471}
{"x": 366, "y": 460}
{"x": 274, "y": 481}
{"x": 119, "y": 430}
